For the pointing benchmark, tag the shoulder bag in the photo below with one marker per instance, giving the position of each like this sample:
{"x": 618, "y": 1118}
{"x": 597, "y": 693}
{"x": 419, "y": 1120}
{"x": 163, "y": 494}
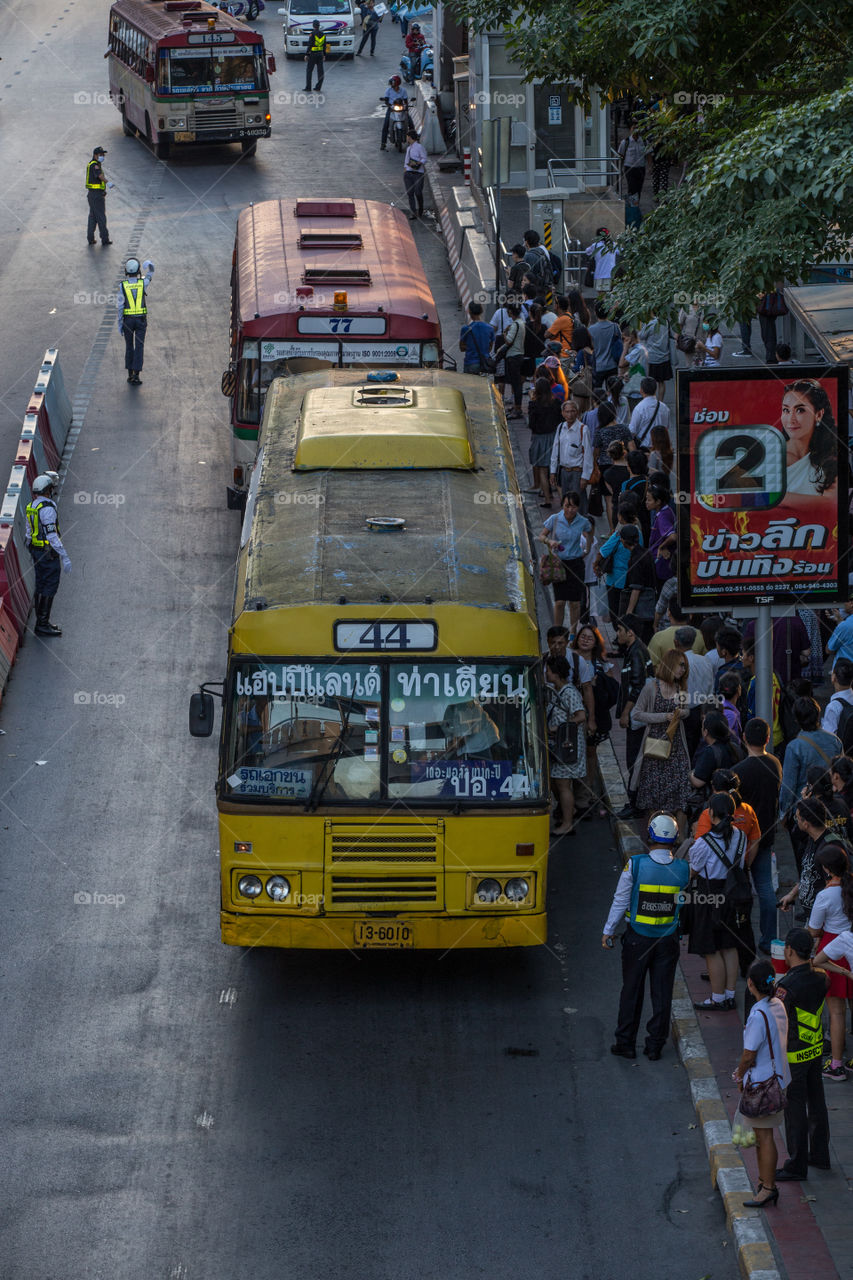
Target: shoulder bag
{"x": 661, "y": 748}
{"x": 765, "y": 1097}
{"x": 563, "y": 741}
{"x": 504, "y": 342}
{"x": 646, "y": 448}
{"x": 551, "y": 569}
{"x": 581, "y": 382}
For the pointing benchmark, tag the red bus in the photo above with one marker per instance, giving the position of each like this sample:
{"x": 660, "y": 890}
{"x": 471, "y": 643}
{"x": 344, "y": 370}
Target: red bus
{"x": 319, "y": 283}
{"x": 182, "y": 71}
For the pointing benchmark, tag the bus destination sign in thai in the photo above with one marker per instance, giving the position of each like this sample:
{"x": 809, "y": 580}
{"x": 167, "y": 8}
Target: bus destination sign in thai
{"x": 374, "y": 636}
{"x": 763, "y": 485}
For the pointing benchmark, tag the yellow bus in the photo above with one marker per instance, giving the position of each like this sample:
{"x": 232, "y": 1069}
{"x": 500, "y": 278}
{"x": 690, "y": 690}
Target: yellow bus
{"x": 382, "y": 777}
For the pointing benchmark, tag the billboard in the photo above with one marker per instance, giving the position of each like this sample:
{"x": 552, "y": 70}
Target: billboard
{"x": 763, "y": 486}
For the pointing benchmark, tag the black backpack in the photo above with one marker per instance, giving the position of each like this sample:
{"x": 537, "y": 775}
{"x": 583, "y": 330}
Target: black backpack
{"x": 738, "y": 888}
{"x": 844, "y": 728}
{"x": 556, "y": 267}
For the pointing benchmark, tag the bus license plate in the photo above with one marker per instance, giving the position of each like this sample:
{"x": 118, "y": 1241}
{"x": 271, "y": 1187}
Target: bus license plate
{"x": 185, "y": 137}
{"x": 383, "y": 935}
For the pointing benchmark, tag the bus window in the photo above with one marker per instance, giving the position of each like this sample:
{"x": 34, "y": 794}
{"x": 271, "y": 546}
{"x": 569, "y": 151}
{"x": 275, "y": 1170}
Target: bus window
{"x": 320, "y": 737}
{"x": 463, "y": 732}
{"x": 200, "y": 69}
{"x": 248, "y": 384}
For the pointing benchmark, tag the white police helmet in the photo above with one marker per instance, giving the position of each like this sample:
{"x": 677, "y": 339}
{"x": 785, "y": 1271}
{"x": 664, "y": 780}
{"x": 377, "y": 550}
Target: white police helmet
{"x": 663, "y": 829}
{"x": 45, "y": 482}
{"x": 131, "y": 267}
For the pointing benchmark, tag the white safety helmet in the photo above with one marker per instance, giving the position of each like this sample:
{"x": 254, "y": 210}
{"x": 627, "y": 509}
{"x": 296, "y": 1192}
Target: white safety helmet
{"x": 663, "y": 829}
{"x": 131, "y": 267}
{"x": 45, "y": 482}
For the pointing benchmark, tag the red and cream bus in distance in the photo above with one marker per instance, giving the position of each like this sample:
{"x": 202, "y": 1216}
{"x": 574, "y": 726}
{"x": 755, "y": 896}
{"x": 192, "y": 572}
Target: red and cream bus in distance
{"x": 319, "y": 283}
{"x": 182, "y": 71}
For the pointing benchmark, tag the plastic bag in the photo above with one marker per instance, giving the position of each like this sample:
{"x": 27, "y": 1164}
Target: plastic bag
{"x": 774, "y": 871}
{"x": 743, "y": 1134}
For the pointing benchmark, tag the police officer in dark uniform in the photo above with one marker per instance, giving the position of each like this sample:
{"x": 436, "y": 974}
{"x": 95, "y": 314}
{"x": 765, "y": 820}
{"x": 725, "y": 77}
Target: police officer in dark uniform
{"x": 648, "y": 897}
{"x": 96, "y": 192}
{"x": 45, "y": 545}
{"x": 133, "y": 315}
{"x": 806, "y": 1119}
{"x": 314, "y": 57}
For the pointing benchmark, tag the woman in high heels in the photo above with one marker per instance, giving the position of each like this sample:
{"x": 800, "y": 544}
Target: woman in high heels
{"x": 765, "y": 1041}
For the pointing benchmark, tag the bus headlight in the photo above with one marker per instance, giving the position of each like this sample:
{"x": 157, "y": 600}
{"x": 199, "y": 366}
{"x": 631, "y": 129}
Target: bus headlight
{"x": 488, "y": 891}
{"x": 517, "y": 889}
{"x": 278, "y": 888}
{"x": 249, "y": 886}
{"x": 177, "y": 123}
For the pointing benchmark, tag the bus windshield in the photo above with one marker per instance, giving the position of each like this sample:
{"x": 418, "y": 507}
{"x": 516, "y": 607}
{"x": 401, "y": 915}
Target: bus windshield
{"x": 212, "y": 70}
{"x": 457, "y": 733}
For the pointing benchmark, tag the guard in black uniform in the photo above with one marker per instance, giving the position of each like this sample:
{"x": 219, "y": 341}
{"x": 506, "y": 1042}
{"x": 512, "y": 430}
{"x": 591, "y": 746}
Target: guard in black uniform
{"x": 315, "y": 56}
{"x": 806, "y": 1118}
{"x": 45, "y": 546}
{"x": 648, "y": 897}
{"x": 96, "y": 193}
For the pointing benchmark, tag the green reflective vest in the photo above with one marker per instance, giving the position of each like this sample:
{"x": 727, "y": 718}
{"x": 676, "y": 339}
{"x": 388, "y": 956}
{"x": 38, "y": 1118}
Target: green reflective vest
{"x": 37, "y": 538}
{"x": 318, "y": 44}
{"x": 101, "y": 185}
{"x": 134, "y": 298}
{"x": 809, "y": 1033}
{"x": 804, "y": 987}
{"x": 657, "y": 893}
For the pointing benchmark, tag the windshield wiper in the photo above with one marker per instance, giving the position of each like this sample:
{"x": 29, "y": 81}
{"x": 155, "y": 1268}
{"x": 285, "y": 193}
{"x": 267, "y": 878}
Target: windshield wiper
{"x": 318, "y": 790}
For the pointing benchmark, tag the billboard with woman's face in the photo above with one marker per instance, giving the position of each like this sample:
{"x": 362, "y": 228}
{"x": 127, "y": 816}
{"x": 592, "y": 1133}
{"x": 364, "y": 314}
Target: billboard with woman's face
{"x": 763, "y": 485}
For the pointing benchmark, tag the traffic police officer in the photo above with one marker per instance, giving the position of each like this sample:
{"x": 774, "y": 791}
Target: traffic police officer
{"x": 133, "y": 315}
{"x": 49, "y": 555}
{"x": 314, "y": 57}
{"x": 806, "y": 1119}
{"x": 648, "y": 896}
{"x": 96, "y": 191}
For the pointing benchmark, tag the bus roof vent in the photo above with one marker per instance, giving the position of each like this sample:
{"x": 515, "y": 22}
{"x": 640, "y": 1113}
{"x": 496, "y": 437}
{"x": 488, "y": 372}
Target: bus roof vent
{"x": 325, "y": 208}
{"x": 377, "y": 428}
{"x": 330, "y": 240}
{"x": 181, "y": 6}
{"x": 337, "y": 275}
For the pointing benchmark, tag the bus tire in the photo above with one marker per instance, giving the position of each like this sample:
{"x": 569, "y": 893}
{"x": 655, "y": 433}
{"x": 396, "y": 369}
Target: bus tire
{"x": 163, "y": 148}
{"x": 126, "y": 127}
{"x": 249, "y": 146}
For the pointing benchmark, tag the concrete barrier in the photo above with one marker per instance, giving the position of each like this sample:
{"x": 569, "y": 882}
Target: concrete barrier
{"x": 50, "y": 385}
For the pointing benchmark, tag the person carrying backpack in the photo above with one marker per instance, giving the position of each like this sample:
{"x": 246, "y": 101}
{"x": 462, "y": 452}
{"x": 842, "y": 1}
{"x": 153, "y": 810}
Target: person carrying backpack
{"x": 838, "y": 713}
{"x": 721, "y": 899}
{"x": 538, "y": 261}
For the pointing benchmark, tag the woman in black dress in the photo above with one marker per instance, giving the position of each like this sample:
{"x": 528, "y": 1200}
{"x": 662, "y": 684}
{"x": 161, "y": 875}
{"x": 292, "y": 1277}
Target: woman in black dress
{"x": 543, "y": 418}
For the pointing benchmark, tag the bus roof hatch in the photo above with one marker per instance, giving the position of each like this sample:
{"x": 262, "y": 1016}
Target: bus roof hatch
{"x": 373, "y": 427}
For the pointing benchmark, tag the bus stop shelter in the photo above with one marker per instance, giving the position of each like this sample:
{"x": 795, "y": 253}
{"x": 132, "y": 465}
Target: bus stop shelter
{"x": 824, "y": 322}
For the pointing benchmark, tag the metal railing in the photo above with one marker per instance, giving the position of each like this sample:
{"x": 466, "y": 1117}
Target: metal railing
{"x": 586, "y": 172}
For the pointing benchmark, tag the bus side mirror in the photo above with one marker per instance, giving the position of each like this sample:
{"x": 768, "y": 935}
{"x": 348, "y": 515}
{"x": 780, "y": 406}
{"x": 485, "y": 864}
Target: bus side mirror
{"x": 149, "y": 75}
{"x": 271, "y": 65}
{"x": 228, "y": 384}
{"x": 201, "y": 715}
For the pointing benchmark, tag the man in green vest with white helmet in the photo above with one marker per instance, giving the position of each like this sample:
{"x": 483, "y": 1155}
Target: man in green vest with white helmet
{"x": 648, "y": 898}
{"x": 133, "y": 315}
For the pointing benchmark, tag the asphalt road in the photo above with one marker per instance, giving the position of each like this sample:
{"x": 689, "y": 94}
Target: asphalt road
{"x": 170, "y": 1107}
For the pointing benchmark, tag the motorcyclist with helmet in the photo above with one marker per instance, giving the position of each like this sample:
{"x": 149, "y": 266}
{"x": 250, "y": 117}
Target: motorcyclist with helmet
{"x": 648, "y": 897}
{"x": 394, "y": 93}
{"x": 45, "y": 546}
{"x": 415, "y": 43}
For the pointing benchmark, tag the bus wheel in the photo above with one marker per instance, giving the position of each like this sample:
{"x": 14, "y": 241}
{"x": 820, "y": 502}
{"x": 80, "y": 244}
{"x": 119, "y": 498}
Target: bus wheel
{"x": 249, "y": 146}
{"x": 126, "y": 128}
{"x": 163, "y": 148}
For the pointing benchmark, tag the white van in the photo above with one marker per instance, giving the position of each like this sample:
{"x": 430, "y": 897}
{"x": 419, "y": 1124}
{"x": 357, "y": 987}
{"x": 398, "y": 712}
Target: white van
{"x": 337, "y": 22}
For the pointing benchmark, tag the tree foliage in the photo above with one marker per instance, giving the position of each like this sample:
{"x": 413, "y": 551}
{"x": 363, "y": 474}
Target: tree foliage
{"x": 756, "y": 99}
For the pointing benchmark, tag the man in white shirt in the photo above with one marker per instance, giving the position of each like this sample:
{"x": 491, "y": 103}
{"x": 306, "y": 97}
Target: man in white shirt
{"x": 571, "y": 455}
{"x": 650, "y": 412}
{"x": 632, "y": 153}
{"x": 604, "y": 253}
{"x": 842, "y": 678}
{"x": 700, "y": 684}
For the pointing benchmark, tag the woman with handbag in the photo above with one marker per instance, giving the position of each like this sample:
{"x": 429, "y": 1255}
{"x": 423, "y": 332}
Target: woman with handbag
{"x": 564, "y": 720}
{"x": 568, "y": 534}
{"x": 763, "y": 1075}
{"x": 661, "y": 776}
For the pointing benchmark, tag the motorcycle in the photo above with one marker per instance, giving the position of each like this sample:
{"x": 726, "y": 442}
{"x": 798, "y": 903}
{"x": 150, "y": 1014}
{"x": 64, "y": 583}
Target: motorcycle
{"x": 399, "y": 124}
{"x": 414, "y": 68}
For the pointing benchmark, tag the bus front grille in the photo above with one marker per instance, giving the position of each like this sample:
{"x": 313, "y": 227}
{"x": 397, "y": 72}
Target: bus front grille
{"x": 211, "y": 120}
{"x": 379, "y": 892}
{"x": 390, "y": 866}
